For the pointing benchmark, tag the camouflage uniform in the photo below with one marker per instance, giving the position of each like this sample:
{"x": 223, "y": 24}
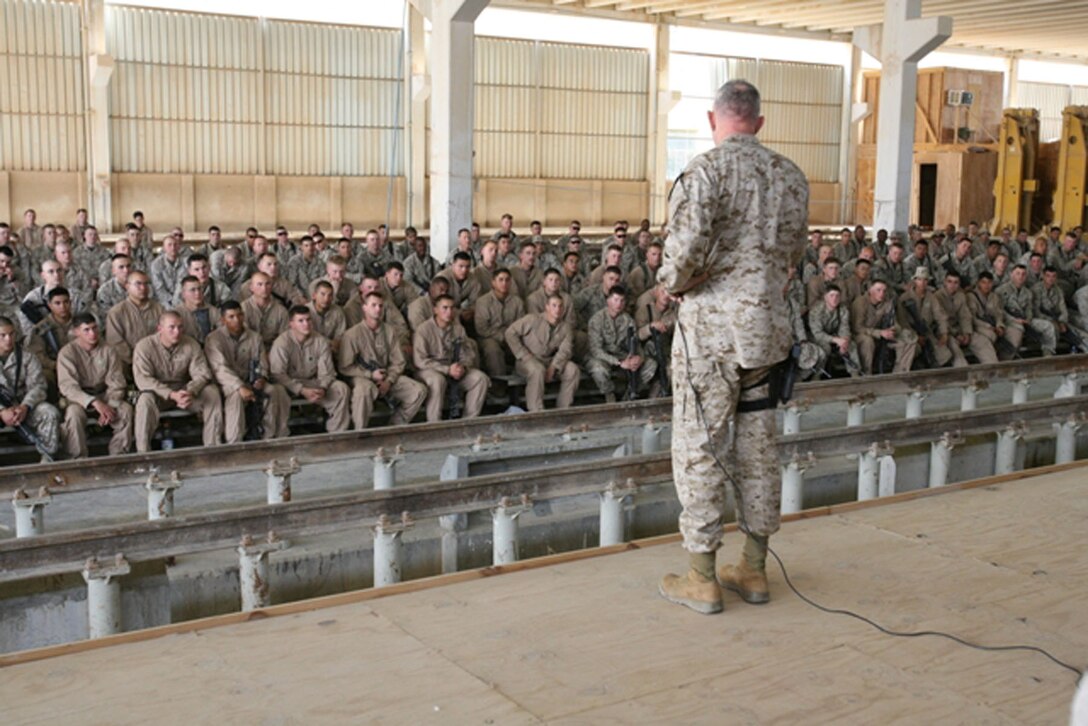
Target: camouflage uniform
{"x": 27, "y": 386}
{"x": 608, "y": 347}
{"x": 965, "y": 267}
{"x": 826, "y": 324}
{"x": 739, "y": 214}
{"x": 1079, "y": 316}
{"x": 1019, "y": 302}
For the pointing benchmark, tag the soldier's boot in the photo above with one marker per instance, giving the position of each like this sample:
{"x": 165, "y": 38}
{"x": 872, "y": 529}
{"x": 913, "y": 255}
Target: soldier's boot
{"x": 748, "y": 578}
{"x": 697, "y": 589}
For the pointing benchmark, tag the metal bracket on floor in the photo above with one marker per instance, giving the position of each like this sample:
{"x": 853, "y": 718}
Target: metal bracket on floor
{"x": 253, "y": 569}
{"x": 855, "y": 409}
{"x": 504, "y": 521}
{"x": 104, "y": 595}
{"x": 1007, "y": 440}
{"x": 279, "y": 475}
{"x": 870, "y": 469}
{"x": 791, "y": 418}
{"x": 915, "y": 402}
{"x": 483, "y": 443}
{"x": 160, "y": 495}
{"x": 940, "y": 457}
{"x": 30, "y": 512}
{"x": 969, "y": 394}
{"x": 793, "y": 481}
{"x": 1065, "y": 446}
{"x": 612, "y": 505}
{"x": 387, "y": 548}
{"x": 575, "y": 433}
{"x": 385, "y": 468}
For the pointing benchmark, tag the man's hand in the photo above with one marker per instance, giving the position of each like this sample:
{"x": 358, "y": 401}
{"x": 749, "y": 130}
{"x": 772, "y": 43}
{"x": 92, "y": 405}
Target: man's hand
{"x": 888, "y": 334}
{"x": 549, "y": 374}
{"x": 457, "y": 371}
{"x": 259, "y": 384}
{"x": 999, "y": 329}
{"x": 378, "y": 376}
{"x": 384, "y": 386}
{"x": 8, "y": 416}
{"x": 631, "y": 363}
{"x": 963, "y": 339}
{"x": 313, "y": 395}
{"x": 659, "y": 326}
{"x": 106, "y": 413}
{"x": 182, "y": 398}
{"x": 246, "y": 394}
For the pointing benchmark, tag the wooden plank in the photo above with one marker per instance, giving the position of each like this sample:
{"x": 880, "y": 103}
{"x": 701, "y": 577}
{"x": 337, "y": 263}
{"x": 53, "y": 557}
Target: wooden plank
{"x": 589, "y": 641}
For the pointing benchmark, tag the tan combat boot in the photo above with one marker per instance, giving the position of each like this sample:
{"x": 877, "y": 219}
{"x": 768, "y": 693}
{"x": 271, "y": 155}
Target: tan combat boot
{"x": 696, "y": 589}
{"x": 748, "y": 578}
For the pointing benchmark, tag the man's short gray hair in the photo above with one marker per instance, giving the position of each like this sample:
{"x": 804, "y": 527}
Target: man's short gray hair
{"x": 738, "y": 98}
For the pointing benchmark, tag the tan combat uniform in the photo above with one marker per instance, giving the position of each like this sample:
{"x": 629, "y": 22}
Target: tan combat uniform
{"x": 432, "y": 353}
{"x": 127, "y": 324}
{"x": 332, "y": 323}
{"x": 309, "y": 364}
{"x": 158, "y": 372}
{"x": 961, "y": 321}
{"x": 362, "y": 351}
{"x": 231, "y": 360}
{"x": 268, "y": 321}
{"x": 84, "y": 377}
{"x": 198, "y": 324}
{"x": 739, "y": 213}
{"x": 538, "y": 345}
{"x": 867, "y": 320}
{"x": 524, "y": 283}
{"x": 420, "y": 311}
{"x": 492, "y": 318}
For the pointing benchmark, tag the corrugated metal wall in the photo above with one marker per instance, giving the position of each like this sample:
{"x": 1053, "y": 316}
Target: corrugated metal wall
{"x": 42, "y": 108}
{"x": 560, "y": 111}
{"x": 207, "y": 94}
{"x": 1049, "y": 99}
{"x": 801, "y": 101}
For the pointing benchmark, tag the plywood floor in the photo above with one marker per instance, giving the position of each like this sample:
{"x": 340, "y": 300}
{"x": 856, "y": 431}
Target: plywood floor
{"x": 591, "y": 642}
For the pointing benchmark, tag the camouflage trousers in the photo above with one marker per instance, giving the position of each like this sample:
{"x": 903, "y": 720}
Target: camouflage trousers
{"x": 44, "y": 420}
{"x": 602, "y": 372}
{"x": 701, "y": 431}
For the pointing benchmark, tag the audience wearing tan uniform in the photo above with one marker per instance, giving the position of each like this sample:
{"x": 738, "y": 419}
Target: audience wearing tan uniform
{"x": 542, "y": 344}
{"x": 301, "y": 361}
{"x": 432, "y": 353}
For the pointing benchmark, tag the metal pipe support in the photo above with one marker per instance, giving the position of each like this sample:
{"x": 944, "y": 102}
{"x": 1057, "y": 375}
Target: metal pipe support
{"x": 793, "y": 482}
{"x": 915, "y": 402}
{"x": 30, "y": 512}
{"x": 160, "y": 495}
{"x": 104, "y": 595}
{"x": 387, "y": 549}
{"x": 612, "y": 530}
{"x": 969, "y": 395}
{"x": 940, "y": 457}
{"x": 1069, "y": 387}
{"x": 279, "y": 475}
{"x": 1020, "y": 390}
{"x": 1065, "y": 447}
{"x": 504, "y": 521}
{"x": 451, "y": 524}
{"x": 253, "y": 570}
{"x": 385, "y": 468}
{"x": 651, "y": 438}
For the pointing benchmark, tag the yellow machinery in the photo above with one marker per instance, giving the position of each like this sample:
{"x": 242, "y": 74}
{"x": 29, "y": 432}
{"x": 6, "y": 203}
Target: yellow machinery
{"x": 1016, "y": 183}
{"x": 1072, "y": 169}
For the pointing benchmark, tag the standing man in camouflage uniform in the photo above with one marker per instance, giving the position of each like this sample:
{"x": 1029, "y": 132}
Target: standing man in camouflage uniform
{"x": 738, "y": 221}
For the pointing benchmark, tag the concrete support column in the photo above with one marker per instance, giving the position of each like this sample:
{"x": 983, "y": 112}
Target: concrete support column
{"x": 1012, "y": 80}
{"x": 419, "y": 89}
{"x": 904, "y": 38}
{"x": 99, "y": 67}
{"x": 969, "y": 395}
{"x": 504, "y": 520}
{"x": 791, "y": 418}
{"x": 793, "y": 482}
{"x": 662, "y": 101}
{"x": 1020, "y": 390}
{"x": 104, "y": 595}
{"x": 452, "y": 99}
{"x": 1065, "y": 447}
{"x": 940, "y": 457}
{"x": 1070, "y": 386}
{"x": 385, "y": 468}
{"x": 1007, "y": 441}
{"x": 451, "y": 524}
{"x": 612, "y": 513}
{"x": 855, "y": 410}
{"x": 651, "y": 437}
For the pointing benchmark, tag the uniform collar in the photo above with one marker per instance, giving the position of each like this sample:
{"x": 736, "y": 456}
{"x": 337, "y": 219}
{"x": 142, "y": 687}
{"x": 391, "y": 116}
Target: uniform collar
{"x": 740, "y": 139}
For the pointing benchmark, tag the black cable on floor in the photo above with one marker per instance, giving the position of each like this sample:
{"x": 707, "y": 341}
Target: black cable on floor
{"x": 809, "y": 601}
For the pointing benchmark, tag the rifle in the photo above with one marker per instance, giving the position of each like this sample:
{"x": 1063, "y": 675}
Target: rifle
{"x": 880, "y": 355}
{"x": 7, "y": 400}
{"x": 848, "y": 364}
{"x": 1069, "y": 335}
{"x": 372, "y": 366}
{"x": 1029, "y": 332}
{"x": 632, "y": 376}
{"x": 453, "y": 389}
{"x": 659, "y": 353}
{"x": 923, "y": 331}
{"x": 255, "y": 408}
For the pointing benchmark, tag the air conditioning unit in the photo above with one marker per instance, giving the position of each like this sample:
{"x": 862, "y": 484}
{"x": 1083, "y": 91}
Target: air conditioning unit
{"x": 960, "y": 98}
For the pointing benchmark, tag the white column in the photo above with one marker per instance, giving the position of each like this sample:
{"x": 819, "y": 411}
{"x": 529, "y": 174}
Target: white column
{"x": 99, "y": 68}
{"x": 419, "y": 88}
{"x": 662, "y": 101}
{"x": 903, "y": 40}
{"x": 1012, "y": 80}
{"x": 452, "y": 99}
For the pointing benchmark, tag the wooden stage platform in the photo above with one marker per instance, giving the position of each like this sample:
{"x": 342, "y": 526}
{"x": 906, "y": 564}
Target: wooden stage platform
{"x": 589, "y": 640}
